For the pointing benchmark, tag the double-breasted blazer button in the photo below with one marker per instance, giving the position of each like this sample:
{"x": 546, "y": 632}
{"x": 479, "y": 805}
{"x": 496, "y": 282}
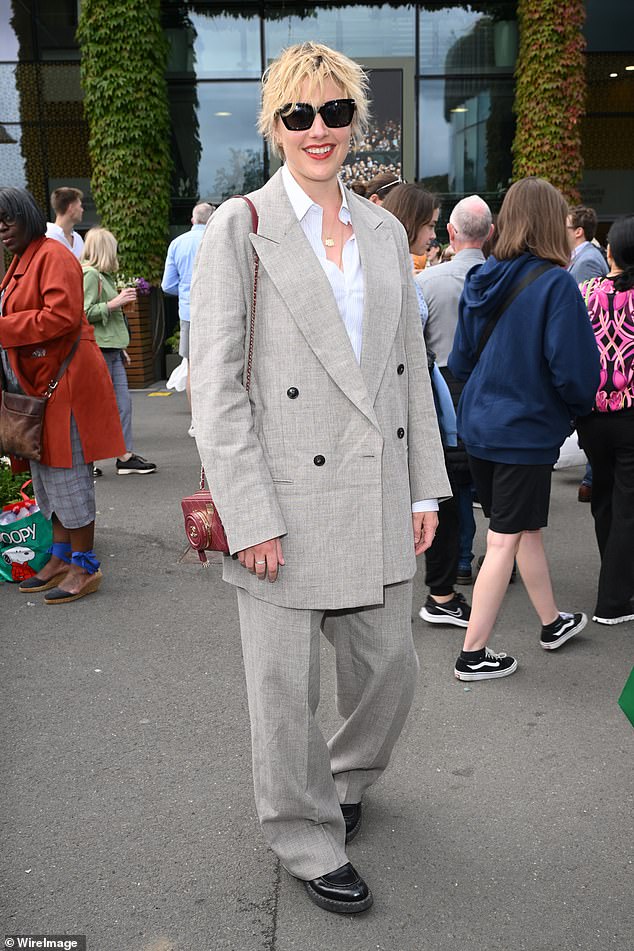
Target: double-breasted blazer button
{"x": 292, "y": 392}
{"x": 400, "y": 369}
{"x": 319, "y": 460}
{"x": 400, "y": 432}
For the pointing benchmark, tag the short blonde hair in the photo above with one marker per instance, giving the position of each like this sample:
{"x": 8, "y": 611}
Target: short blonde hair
{"x": 316, "y": 63}
{"x": 100, "y": 250}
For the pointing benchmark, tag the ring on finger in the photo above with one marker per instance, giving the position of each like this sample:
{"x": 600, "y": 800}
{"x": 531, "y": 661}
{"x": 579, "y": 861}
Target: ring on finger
{"x": 261, "y": 562}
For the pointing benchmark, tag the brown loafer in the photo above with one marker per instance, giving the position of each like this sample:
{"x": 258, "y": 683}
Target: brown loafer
{"x": 59, "y": 596}
{"x": 585, "y": 493}
{"x": 35, "y": 584}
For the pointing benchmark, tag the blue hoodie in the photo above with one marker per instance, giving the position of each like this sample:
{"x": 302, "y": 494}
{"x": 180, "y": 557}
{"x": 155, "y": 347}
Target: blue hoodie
{"x": 538, "y": 371}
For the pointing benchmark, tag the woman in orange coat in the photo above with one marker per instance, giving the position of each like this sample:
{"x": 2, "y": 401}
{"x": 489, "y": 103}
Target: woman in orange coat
{"x": 42, "y": 317}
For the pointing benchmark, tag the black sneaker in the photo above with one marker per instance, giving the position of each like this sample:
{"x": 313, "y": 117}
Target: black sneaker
{"x": 464, "y": 575}
{"x": 561, "y": 630}
{"x": 135, "y": 464}
{"x": 486, "y": 666}
{"x": 456, "y": 611}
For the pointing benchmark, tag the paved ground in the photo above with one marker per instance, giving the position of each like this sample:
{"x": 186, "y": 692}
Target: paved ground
{"x": 504, "y": 824}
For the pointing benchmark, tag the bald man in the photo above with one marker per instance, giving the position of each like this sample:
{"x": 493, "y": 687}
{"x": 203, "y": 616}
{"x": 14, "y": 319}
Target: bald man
{"x": 470, "y": 225}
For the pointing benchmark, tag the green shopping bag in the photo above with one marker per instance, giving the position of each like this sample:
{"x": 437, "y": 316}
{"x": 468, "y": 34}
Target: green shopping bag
{"x": 626, "y": 700}
{"x": 25, "y": 540}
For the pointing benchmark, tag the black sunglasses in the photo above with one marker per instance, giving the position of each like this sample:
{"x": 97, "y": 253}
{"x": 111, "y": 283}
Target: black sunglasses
{"x": 336, "y": 113}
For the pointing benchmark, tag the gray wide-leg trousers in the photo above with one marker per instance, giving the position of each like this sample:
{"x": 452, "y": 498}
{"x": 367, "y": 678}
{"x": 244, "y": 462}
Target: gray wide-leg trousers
{"x": 299, "y": 778}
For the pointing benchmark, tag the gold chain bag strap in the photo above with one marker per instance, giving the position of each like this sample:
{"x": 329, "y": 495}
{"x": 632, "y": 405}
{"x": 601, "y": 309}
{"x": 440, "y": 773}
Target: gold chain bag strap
{"x": 203, "y": 526}
{"x": 22, "y": 417}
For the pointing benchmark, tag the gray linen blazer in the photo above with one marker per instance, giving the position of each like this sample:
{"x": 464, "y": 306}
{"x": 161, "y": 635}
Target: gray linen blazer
{"x": 322, "y": 451}
{"x": 442, "y": 287}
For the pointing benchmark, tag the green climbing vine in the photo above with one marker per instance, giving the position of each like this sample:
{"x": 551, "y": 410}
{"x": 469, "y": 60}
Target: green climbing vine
{"x": 550, "y": 93}
{"x": 123, "y": 61}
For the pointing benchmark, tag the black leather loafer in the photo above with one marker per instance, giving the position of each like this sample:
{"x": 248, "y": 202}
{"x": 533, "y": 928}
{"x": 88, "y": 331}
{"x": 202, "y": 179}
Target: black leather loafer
{"x": 352, "y": 815}
{"x": 342, "y": 891}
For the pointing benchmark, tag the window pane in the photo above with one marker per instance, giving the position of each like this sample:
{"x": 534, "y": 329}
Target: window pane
{"x": 9, "y": 97}
{"x": 9, "y": 42}
{"x": 466, "y": 134}
{"x": 457, "y": 40}
{"x": 11, "y": 160}
{"x": 213, "y": 47}
{"x": 357, "y": 31}
{"x": 56, "y": 28}
{"x": 218, "y": 150}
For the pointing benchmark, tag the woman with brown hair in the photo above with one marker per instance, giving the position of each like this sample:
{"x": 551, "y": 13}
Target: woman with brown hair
{"x": 531, "y": 365}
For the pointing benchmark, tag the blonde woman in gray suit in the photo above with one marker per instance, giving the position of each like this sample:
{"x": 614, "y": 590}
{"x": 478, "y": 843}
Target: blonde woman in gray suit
{"x": 326, "y": 473}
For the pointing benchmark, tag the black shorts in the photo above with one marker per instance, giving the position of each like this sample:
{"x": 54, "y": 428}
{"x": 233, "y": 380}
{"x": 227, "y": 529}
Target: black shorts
{"x": 515, "y": 498}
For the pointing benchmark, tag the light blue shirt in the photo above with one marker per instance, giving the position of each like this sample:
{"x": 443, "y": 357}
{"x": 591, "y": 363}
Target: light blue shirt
{"x": 179, "y": 264}
{"x": 347, "y": 284}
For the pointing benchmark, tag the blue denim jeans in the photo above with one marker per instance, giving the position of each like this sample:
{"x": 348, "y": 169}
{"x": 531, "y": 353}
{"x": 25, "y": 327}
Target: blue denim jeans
{"x": 587, "y": 476}
{"x": 466, "y": 525}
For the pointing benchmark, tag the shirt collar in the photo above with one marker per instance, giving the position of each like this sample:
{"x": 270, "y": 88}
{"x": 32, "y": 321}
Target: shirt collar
{"x": 301, "y": 203}
{"x": 578, "y": 249}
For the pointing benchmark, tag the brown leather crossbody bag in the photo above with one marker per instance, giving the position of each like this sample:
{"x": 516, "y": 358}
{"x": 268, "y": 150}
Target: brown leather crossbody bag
{"x": 22, "y": 417}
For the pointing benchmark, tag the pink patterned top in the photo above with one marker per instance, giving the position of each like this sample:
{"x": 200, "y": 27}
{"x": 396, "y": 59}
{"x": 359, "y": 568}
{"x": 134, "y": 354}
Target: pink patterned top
{"x": 612, "y": 316}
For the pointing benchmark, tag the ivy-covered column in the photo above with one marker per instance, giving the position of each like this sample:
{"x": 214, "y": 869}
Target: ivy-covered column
{"x": 550, "y": 92}
{"x": 123, "y": 62}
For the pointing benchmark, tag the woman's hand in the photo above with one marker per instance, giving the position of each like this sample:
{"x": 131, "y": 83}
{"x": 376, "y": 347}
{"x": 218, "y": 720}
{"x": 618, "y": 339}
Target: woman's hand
{"x": 263, "y": 559}
{"x": 425, "y": 525}
{"x": 126, "y": 296}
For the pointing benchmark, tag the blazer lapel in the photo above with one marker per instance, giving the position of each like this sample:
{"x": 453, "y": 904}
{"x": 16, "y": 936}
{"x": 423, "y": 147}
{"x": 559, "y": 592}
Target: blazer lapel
{"x": 382, "y": 292}
{"x": 290, "y": 262}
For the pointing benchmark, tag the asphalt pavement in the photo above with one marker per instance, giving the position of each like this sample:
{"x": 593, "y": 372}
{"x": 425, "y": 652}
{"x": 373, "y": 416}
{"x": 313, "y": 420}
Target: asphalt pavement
{"x": 504, "y": 822}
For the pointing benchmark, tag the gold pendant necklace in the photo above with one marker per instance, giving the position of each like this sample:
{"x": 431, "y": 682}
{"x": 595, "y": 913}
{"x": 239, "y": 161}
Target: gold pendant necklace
{"x": 329, "y": 242}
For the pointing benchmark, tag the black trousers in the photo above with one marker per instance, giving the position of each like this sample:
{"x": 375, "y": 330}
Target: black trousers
{"x": 608, "y": 441}
{"x": 441, "y": 559}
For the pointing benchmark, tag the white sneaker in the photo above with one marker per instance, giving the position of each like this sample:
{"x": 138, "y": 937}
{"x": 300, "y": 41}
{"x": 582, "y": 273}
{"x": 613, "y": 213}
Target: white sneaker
{"x": 191, "y": 431}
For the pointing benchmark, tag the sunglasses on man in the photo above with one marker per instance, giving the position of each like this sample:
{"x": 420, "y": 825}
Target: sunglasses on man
{"x": 336, "y": 114}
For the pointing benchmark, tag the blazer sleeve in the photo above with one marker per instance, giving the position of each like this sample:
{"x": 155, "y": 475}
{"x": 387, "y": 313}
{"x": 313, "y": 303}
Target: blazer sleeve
{"x": 462, "y": 358}
{"x": 221, "y": 292}
{"x": 427, "y": 472}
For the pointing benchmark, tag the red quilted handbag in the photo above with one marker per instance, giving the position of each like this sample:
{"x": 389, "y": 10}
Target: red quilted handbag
{"x": 203, "y": 526}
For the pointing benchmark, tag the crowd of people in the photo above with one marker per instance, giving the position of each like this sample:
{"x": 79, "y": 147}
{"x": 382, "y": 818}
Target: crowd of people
{"x": 406, "y": 387}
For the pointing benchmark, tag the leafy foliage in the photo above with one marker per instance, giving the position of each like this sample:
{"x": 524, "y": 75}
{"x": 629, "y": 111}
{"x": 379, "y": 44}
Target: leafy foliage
{"x": 124, "y": 57}
{"x": 10, "y": 484}
{"x": 550, "y": 93}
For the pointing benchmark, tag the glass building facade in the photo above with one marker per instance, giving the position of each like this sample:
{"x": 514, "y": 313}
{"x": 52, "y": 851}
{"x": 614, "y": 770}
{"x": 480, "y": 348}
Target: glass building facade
{"x": 442, "y": 87}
